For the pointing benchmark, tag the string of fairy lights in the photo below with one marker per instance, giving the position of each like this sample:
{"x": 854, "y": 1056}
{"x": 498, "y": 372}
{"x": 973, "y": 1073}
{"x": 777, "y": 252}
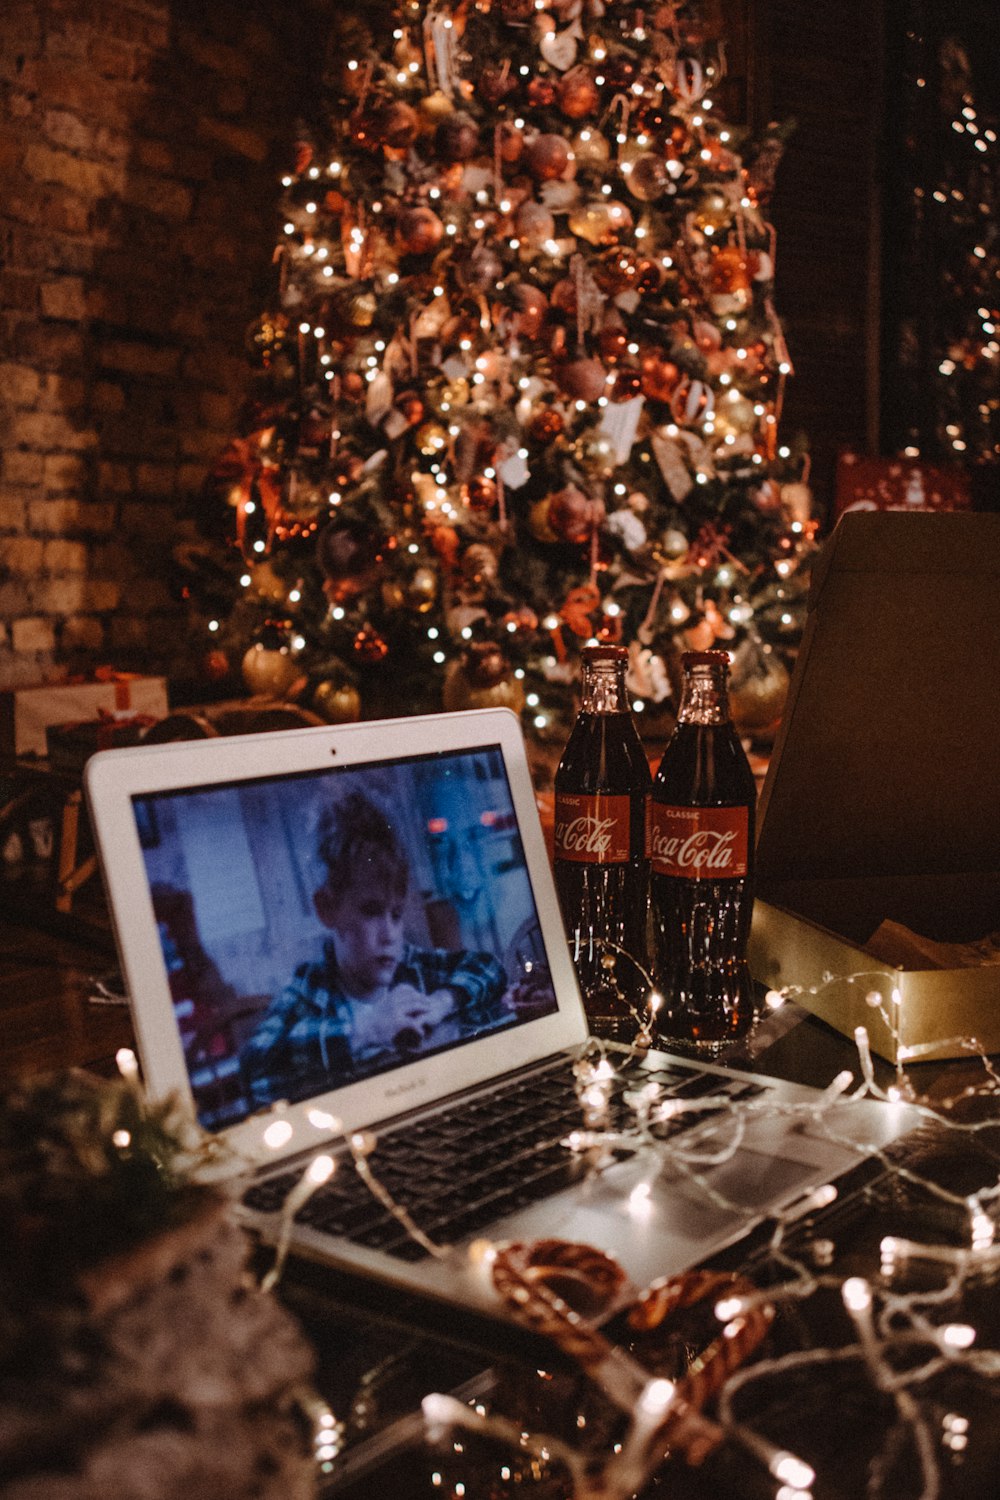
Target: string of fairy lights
{"x": 526, "y": 372}
{"x": 906, "y": 1332}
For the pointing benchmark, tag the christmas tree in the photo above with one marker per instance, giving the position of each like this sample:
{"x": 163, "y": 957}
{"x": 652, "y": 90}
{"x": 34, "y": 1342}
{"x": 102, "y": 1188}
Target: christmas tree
{"x": 521, "y": 382}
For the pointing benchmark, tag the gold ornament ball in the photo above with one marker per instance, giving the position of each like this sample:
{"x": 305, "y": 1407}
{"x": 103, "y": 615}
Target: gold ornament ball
{"x": 597, "y": 454}
{"x": 433, "y": 109}
{"x": 647, "y": 180}
{"x": 432, "y": 439}
{"x": 361, "y": 310}
{"x": 453, "y": 393}
{"x": 269, "y": 672}
{"x": 757, "y": 702}
{"x": 393, "y": 597}
{"x": 460, "y": 693}
{"x": 601, "y": 222}
{"x": 421, "y": 590}
{"x": 712, "y": 211}
{"x": 267, "y": 584}
{"x": 674, "y": 543}
{"x": 337, "y": 702}
{"x": 591, "y": 149}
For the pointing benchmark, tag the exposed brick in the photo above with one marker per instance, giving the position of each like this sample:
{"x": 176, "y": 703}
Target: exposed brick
{"x": 171, "y": 200}
{"x": 63, "y": 471}
{"x": 81, "y": 632}
{"x": 126, "y": 633}
{"x": 74, "y": 594}
{"x": 81, "y": 90}
{"x": 144, "y": 596}
{"x": 51, "y": 344}
{"x": 115, "y": 479}
{"x": 156, "y": 479}
{"x": 23, "y": 468}
{"x": 22, "y": 555}
{"x": 47, "y": 430}
{"x": 139, "y": 359}
{"x": 64, "y": 299}
{"x": 216, "y": 409}
{"x": 90, "y": 179}
{"x": 64, "y": 128}
{"x": 33, "y": 634}
{"x": 15, "y": 598}
{"x": 61, "y": 517}
{"x": 13, "y": 515}
{"x": 107, "y": 397}
{"x": 236, "y": 138}
{"x": 147, "y": 518}
{"x": 65, "y": 393}
{"x": 61, "y": 556}
{"x": 21, "y": 385}
{"x": 218, "y": 58}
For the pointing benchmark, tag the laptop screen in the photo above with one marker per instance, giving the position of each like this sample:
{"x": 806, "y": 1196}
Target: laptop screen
{"x": 321, "y": 927}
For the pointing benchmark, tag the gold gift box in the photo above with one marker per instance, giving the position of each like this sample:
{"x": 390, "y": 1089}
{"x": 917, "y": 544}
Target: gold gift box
{"x": 882, "y": 798}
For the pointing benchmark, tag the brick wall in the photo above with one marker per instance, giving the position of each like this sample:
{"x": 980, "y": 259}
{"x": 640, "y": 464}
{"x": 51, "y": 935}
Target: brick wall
{"x": 140, "y": 147}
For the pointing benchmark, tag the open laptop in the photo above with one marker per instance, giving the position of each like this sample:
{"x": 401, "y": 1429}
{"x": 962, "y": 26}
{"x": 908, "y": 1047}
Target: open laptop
{"x": 427, "y": 996}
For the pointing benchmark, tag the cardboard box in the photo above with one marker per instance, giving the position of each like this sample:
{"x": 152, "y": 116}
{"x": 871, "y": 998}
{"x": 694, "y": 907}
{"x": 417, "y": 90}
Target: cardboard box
{"x": 881, "y": 800}
{"x": 26, "y": 713}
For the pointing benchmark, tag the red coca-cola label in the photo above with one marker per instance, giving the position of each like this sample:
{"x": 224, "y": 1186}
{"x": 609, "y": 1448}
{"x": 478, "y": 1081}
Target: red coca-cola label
{"x": 698, "y": 843}
{"x": 592, "y": 828}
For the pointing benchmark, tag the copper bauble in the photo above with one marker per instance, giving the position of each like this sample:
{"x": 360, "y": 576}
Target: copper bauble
{"x": 583, "y": 379}
{"x": 564, "y": 296}
{"x": 531, "y": 307}
{"x": 481, "y": 270}
{"x": 418, "y": 230}
{"x": 577, "y": 94}
{"x": 352, "y": 386}
{"x": 647, "y": 177}
{"x": 619, "y": 71}
{"x": 369, "y": 645}
{"x": 347, "y": 553}
{"x": 572, "y": 515}
{"x": 730, "y": 270}
{"x": 393, "y": 597}
{"x": 215, "y": 665}
{"x": 626, "y": 383}
{"x": 534, "y": 224}
{"x": 457, "y": 138}
{"x": 757, "y": 701}
{"x": 482, "y": 493}
{"x": 660, "y": 376}
{"x": 515, "y": 10}
{"x": 480, "y": 564}
{"x": 396, "y": 125}
{"x": 612, "y": 343}
{"x": 545, "y": 424}
{"x": 541, "y": 93}
{"x": 547, "y": 157}
{"x": 337, "y": 702}
{"x": 601, "y": 221}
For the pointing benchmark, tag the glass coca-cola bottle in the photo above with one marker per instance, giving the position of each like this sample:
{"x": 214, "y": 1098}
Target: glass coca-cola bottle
{"x": 701, "y": 864}
{"x": 602, "y": 873}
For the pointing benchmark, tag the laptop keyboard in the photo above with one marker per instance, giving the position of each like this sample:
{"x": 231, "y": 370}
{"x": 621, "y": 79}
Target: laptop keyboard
{"x": 456, "y": 1172}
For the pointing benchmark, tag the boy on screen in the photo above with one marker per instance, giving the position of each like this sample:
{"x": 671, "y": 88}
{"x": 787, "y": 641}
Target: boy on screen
{"x": 372, "y": 999}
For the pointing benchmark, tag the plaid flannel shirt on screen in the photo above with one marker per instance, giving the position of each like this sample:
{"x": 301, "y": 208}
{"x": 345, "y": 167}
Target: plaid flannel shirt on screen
{"x": 303, "y": 1046}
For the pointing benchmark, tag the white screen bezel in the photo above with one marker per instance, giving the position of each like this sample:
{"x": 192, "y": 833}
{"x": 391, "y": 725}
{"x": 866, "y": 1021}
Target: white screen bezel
{"x": 114, "y": 777}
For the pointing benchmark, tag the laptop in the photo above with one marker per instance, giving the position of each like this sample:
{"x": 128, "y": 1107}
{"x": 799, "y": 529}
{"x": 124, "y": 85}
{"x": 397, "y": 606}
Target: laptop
{"x": 344, "y": 942}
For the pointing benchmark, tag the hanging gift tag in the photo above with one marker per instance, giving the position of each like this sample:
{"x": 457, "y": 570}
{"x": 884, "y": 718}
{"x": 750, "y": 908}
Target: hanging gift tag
{"x": 379, "y": 399}
{"x": 671, "y": 463}
{"x": 514, "y": 471}
{"x": 620, "y": 423}
{"x": 394, "y": 425}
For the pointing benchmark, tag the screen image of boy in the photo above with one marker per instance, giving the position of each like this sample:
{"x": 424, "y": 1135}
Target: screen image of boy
{"x": 323, "y": 927}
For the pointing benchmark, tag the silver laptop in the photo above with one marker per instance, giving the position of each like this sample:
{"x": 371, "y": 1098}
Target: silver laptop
{"x": 345, "y": 930}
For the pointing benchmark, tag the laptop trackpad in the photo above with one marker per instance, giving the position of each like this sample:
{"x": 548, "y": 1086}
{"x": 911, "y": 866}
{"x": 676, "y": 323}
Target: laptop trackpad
{"x": 658, "y": 1225}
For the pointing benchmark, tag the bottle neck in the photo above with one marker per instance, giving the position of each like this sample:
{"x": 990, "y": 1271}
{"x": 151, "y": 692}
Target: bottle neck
{"x": 705, "y": 699}
{"x": 603, "y": 688}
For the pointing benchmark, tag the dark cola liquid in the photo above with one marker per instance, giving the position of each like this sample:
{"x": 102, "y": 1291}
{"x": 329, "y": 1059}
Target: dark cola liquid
{"x": 700, "y": 926}
{"x": 607, "y": 902}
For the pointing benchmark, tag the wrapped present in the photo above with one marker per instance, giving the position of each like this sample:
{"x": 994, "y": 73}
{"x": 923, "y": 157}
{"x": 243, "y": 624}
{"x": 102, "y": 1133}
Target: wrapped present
{"x": 70, "y": 745}
{"x": 26, "y": 713}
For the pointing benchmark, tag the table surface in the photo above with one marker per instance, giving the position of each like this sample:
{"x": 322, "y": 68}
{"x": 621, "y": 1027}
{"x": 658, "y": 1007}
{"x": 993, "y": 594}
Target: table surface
{"x": 378, "y": 1357}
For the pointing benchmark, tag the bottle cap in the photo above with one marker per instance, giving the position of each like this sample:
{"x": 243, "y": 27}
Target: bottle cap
{"x": 705, "y": 659}
{"x": 606, "y": 653}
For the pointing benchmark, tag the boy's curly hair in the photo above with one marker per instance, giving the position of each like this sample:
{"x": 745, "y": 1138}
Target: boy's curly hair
{"x": 354, "y": 833}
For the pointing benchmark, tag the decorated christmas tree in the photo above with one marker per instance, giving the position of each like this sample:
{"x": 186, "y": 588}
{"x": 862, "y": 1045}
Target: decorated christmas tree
{"x": 520, "y": 385}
